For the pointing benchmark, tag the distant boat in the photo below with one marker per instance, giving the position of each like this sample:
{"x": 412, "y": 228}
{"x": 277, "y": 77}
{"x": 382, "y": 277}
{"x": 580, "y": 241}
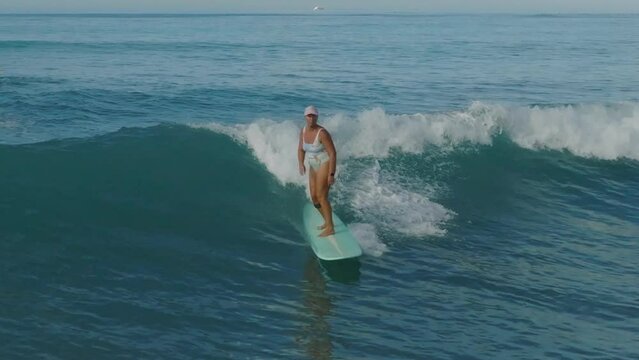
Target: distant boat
{"x": 316, "y": 8}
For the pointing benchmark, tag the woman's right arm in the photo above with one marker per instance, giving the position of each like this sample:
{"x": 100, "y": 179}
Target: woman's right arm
{"x": 300, "y": 154}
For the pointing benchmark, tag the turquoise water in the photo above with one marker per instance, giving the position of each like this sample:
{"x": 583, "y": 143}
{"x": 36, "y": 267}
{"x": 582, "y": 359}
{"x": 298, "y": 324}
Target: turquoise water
{"x": 150, "y": 205}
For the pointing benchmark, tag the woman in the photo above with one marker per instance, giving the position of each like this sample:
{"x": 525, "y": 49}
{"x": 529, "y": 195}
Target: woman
{"x": 316, "y": 142}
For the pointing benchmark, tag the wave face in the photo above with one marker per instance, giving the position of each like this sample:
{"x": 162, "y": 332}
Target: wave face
{"x": 398, "y": 174}
{"x": 120, "y": 178}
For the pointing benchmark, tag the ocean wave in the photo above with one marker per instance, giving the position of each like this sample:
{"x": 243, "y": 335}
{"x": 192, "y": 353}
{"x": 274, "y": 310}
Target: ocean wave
{"x": 600, "y": 131}
{"x": 606, "y": 132}
{"x": 386, "y": 202}
{"x": 594, "y": 131}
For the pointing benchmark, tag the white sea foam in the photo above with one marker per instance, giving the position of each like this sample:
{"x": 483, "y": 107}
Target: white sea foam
{"x": 12, "y": 123}
{"x": 371, "y": 133}
{"x": 8, "y": 124}
{"x": 609, "y": 131}
{"x": 605, "y": 132}
{"x": 375, "y": 133}
{"x": 367, "y": 238}
{"x": 383, "y": 201}
{"x": 601, "y": 131}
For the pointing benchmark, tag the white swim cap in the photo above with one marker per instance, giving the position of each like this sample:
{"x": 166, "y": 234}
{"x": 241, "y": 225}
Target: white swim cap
{"x": 311, "y": 110}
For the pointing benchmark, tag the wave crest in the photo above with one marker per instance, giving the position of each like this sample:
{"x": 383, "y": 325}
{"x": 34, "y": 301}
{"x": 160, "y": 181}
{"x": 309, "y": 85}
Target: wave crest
{"x": 606, "y": 132}
{"x": 600, "y": 131}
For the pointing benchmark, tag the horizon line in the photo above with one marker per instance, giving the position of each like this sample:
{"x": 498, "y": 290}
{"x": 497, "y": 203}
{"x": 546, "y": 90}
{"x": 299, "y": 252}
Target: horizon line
{"x": 321, "y": 12}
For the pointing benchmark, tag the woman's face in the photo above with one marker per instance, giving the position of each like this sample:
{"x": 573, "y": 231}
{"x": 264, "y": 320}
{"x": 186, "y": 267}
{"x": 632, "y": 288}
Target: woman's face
{"x": 311, "y": 119}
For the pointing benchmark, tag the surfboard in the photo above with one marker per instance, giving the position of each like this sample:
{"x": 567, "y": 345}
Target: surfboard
{"x": 341, "y": 245}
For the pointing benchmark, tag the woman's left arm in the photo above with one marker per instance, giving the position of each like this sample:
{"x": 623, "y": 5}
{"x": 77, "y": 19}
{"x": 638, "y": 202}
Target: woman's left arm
{"x": 327, "y": 141}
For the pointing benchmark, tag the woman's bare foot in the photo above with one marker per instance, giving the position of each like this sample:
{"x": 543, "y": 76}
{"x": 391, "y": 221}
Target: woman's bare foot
{"x": 327, "y": 231}
{"x": 321, "y": 227}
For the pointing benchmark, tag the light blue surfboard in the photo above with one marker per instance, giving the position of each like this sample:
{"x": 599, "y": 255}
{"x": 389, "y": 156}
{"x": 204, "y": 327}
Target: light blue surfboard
{"x": 341, "y": 245}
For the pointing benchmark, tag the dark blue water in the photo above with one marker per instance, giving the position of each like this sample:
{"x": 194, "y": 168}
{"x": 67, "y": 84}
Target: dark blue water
{"x": 150, "y": 205}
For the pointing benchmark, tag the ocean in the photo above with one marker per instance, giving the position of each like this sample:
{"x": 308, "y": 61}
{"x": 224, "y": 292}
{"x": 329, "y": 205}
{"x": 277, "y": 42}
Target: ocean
{"x": 150, "y": 202}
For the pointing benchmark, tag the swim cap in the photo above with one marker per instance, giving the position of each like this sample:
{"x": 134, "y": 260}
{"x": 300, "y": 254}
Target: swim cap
{"x": 311, "y": 110}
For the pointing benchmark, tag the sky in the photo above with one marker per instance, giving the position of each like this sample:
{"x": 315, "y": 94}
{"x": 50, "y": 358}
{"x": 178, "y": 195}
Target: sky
{"x": 277, "y": 6}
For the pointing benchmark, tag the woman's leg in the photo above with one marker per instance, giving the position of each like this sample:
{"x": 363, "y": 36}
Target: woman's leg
{"x": 312, "y": 187}
{"x": 322, "y": 187}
